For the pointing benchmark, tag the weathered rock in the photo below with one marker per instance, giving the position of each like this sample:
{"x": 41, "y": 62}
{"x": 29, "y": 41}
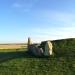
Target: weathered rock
{"x": 29, "y": 42}
{"x": 34, "y": 50}
{"x": 48, "y": 49}
{"x": 45, "y": 48}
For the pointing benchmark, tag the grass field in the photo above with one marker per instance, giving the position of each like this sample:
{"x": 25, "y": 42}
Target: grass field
{"x": 18, "y": 62}
{"x": 12, "y": 46}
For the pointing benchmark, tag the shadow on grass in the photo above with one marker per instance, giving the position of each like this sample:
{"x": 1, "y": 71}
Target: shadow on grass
{"x": 5, "y": 56}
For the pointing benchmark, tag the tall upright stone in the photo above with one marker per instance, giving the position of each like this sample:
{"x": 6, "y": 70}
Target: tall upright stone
{"x": 29, "y": 42}
{"x": 48, "y": 49}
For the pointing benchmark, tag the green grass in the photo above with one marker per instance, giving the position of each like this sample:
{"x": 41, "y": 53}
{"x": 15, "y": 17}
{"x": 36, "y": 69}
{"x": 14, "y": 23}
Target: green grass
{"x": 20, "y": 63}
{"x": 13, "y": 50}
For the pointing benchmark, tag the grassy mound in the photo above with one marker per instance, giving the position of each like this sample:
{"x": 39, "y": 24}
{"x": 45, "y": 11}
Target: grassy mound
{"x": 21, "y": 63}
{"x": 62, "y": 47}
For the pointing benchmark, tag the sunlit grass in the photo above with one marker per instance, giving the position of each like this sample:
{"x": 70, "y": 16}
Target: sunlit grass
{"x": 21, "y": 63}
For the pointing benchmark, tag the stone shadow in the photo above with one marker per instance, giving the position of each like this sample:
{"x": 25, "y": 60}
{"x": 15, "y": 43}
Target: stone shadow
{"x": 6, "y": 56}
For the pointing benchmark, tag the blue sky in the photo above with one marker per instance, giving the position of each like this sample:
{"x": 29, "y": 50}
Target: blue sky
{"x": 38, "y": 19}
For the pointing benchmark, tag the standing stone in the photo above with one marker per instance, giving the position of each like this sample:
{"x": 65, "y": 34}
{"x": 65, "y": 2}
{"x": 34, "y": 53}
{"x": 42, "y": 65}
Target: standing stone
{"x": 29, "y": 42}
{"x": 48, "y": 49}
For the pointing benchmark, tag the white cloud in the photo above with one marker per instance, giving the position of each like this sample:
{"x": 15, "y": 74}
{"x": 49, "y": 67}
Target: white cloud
{"x": 25, "y": 5}
{"x": 59, "y": 17}
{"x": 52, "y": 34}
{"x": 66, "y": 28}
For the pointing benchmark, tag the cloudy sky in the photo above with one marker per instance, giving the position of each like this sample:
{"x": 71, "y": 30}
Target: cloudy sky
{"x": 38, "y": 19}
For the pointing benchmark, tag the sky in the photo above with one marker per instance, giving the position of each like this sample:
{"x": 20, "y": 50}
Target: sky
{"x": 39, "y": 19}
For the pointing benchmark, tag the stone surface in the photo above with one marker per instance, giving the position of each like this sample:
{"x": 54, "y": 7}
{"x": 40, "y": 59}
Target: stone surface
{"x": 45, "y": 48}
{"x": 48, "y": 49}
{"x": 29, "y": 42}
{"x": 34, "y": 50}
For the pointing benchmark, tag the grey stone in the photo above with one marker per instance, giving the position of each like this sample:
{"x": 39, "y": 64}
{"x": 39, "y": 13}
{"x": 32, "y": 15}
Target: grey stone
{"x": 29, "y": 42}
{"x": 48, "y": 49}
{"x": 35, "y": 50}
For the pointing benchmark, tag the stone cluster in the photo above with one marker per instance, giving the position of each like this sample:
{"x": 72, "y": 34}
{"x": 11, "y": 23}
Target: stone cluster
{"x": 45, "y": 48}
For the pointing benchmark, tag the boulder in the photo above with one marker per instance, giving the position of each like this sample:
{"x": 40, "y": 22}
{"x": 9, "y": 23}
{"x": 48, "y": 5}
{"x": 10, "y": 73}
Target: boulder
{"x": 48, "y": 49}
{"x": 34, "y": 50}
